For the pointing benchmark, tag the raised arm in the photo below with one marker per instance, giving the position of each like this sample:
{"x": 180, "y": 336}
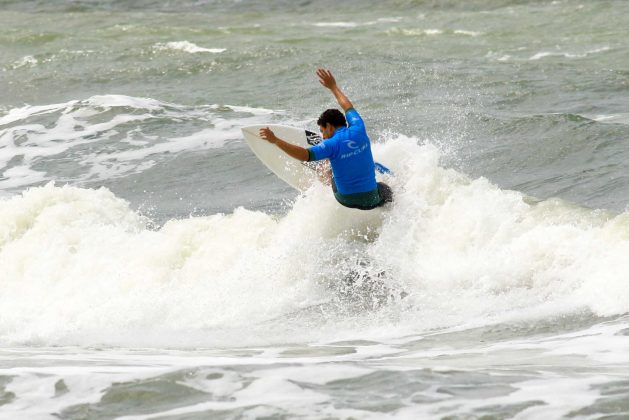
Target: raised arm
{"x": 328, "y": 81}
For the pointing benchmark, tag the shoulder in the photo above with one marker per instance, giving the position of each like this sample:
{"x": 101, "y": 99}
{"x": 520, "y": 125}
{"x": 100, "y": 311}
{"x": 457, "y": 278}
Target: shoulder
{"x": 351, "y": 113}
{"x": 332, "y": 142}
{"x": 339, "y": 135}
{"x": 322, "y": 150}
{"x": 354, "y": 121}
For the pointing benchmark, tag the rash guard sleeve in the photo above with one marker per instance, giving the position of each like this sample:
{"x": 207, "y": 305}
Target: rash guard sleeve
{"x": 324, "y": 150}
{"x": 354, "y": 120}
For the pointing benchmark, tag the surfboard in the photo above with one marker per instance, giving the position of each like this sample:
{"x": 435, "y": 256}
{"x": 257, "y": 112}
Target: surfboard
{"x": 299, "y": 175}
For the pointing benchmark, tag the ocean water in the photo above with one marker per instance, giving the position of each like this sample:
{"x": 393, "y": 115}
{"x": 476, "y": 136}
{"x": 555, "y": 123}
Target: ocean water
{"x": 152, "y": 268}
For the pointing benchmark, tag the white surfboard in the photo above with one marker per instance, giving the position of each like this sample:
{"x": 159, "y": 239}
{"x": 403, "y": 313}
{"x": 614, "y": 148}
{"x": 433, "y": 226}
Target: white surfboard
{"x": 299, "y": 175}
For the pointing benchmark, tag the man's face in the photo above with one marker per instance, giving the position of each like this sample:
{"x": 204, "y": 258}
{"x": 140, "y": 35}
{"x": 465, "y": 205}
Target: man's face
{"x": 327, "y": 130}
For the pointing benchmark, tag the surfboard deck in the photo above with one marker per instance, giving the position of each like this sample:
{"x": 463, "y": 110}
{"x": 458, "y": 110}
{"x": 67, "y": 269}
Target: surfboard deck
{"x": 299, "y": 175}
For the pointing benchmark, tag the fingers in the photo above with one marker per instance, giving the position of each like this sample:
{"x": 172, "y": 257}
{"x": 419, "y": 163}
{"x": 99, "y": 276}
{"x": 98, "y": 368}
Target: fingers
{"x": 324, "y": 74}
{"x": 326, "y": 78}
{"x": 320, "y": 74}
{"x": 267, "y": 134}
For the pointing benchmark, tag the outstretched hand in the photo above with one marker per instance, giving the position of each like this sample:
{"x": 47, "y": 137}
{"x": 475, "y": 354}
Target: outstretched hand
{"x": 292, "y": 150}
{"x": 268, "y": 135}
{"x": 326, "y": 78}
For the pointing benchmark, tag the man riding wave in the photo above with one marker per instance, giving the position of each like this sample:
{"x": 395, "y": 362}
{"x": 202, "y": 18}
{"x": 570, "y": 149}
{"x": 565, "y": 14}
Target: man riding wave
{"x": 348, "y": 149}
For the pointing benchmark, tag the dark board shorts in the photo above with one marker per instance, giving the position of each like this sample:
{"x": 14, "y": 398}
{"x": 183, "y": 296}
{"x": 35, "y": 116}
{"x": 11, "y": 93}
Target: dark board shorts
{"x": 365, "y": 200}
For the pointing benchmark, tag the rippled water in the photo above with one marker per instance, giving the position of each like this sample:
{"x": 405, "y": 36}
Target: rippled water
{"x": 151, "y": 267}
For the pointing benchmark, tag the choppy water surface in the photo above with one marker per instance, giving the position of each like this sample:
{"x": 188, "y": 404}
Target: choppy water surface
{"x": 151, "y": 267}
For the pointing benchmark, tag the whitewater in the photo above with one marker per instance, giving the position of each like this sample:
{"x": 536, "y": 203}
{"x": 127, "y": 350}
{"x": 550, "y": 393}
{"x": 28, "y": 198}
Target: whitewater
{"x": 106, "y": 272}
{"x": 453, "y": 257}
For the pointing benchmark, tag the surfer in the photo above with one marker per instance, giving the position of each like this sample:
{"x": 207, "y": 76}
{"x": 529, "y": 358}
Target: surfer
{"x": 347, "y": 146}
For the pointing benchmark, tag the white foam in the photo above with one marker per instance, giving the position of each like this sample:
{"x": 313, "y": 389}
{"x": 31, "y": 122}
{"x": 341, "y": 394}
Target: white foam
{"x": 349, "y": 25}
{"x": 389, "y": 19}
{"x": 433, "y": 31}
{"x": 568, "y": 394}
{"x": 69, "y": 127}
{"x": 26, "y": 61}
{"x": 497, "y": 56}
{"x": 77, "y": 52}
{"x": 620, "y": 118}
{"x": 336, "y": 24}
{"x": 188, "y": 47}
{"x": 544, "y": 54}
{"x": 255, "y": 111}
{"x": 17, "y": 114}
{"x": 79, "y": 265}
{"x": 21, "y": 175}
{"x": 308, "y": 385}
{"x": 415, "y": 32}
{"x": 467, "y": 33}
{"x": 110, "y": 101}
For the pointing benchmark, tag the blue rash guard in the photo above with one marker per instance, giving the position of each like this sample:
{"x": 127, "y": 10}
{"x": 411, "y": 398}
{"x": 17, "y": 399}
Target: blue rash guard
{"x": 350, "y": 155}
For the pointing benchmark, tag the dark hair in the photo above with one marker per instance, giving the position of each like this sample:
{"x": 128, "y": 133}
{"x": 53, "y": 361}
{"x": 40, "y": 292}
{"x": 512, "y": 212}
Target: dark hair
{"x": 332, "y": 116}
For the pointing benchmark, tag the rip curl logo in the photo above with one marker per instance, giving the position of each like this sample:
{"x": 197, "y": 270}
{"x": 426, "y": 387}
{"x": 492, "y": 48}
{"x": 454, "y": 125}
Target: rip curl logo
{"x": 351, "y": 144}
{"x": 313, "y": 138}
{"x": 355, "y": 152}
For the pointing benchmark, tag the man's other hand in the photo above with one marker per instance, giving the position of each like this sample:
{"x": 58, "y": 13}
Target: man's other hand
{"x": 268, "y": 135}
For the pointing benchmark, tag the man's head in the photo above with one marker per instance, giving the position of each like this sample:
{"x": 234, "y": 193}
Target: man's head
{"x": 329, "y": 121}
